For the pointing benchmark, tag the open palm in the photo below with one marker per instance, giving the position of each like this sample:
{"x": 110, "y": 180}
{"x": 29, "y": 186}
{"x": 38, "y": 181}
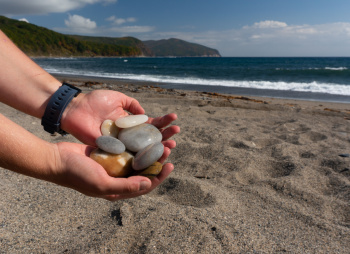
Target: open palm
{"x": 86, "y": 113}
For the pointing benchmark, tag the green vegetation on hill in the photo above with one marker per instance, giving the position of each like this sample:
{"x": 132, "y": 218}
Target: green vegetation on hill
{"x": 40, "y": 41}
{"x": 176, "y": 47}
{"x": 124, "y": 41}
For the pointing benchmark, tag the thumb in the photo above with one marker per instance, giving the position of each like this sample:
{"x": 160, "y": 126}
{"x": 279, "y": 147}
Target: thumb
{"x": 133, "y": 106}
{"x": 130, "y": 185}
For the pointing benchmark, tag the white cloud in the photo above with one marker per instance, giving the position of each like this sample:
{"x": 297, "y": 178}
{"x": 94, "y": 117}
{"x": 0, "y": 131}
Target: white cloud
{"x": 111, "y": 18}
{"x": 132, "y": 29}
{"x": 24, "y": 20}
{"x": 297, "y": 40}
{"x": 17, "y": 7}
{"x": 131, "y": 19}
{"x": 323, "y": 32}
{"x": 268, "y": 24}
{"x": 78, "y": 23}
{"x": 120, "y": 21}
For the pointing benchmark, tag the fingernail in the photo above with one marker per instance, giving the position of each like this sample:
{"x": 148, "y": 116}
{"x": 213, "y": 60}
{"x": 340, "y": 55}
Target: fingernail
{"x": 144, "y": 185}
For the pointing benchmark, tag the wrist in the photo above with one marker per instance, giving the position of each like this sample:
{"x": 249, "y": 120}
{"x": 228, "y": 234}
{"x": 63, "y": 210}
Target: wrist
{"x": 51, "y": 162}
{"x": 49, "y": 167}
{"x": 56, "y": 106}
{"x": 67, "y": 122}
{"x": 54, "y": 163}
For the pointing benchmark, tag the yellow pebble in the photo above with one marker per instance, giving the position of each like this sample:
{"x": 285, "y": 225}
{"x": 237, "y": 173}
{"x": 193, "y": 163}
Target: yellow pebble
{"x": 152, "y": 171}
{"x": 108, "y": 128}
{"x": 116, "y": 165}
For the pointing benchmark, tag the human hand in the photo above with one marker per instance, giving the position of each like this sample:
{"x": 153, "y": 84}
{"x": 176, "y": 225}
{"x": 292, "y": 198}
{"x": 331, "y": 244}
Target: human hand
{"x": 77, "y": 171}
{"x": 85, "y": 114}
{"x": 83, "y": 119}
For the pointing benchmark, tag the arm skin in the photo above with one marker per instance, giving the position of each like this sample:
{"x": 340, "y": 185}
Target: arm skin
{"x": 27, "y": 87}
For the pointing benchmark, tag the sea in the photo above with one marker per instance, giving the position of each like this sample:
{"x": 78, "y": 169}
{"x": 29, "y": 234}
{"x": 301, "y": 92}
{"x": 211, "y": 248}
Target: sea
{"x": 304, "y": 78}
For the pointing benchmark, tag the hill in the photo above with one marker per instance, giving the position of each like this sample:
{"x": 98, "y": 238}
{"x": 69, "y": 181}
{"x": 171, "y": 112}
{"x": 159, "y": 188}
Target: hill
{"x": 124, "y": 41}
{"x": 177, "y": 47}
{"x": 39, "y": 41}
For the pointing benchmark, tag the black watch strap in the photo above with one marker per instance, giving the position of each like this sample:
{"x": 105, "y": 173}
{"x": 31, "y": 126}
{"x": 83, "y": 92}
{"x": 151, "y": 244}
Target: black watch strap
{"x": 56, "y": 106}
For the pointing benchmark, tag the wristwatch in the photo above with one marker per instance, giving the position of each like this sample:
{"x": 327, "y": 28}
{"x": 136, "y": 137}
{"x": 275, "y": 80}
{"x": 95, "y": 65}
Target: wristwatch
{"x": 56, "y": 106}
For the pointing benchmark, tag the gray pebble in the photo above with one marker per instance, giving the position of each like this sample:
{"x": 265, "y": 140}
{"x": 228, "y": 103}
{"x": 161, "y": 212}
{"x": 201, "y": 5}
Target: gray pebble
{"x": 110, "y": 144}
{"x": 138, "y": 137}
{"x": 147, "y": 156}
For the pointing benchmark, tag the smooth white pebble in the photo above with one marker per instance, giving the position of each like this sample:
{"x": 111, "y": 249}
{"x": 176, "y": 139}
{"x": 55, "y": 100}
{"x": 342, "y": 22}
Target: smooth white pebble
{"x": 130, "y": 121}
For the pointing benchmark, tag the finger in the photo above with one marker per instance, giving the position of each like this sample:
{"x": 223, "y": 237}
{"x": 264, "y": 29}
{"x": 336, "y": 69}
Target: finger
{"x": 167, "y": 169}
{"x": 171, "y": 144}
{"x": 111, "y": 197}
{"x": 125, "y": 186}
{"x": 161, "y": 122}
{"x": 133, "y": 194}
{"x": 165, "y": 155}
{"x": 170, "y": 131}
{"x": 133, "y": 106}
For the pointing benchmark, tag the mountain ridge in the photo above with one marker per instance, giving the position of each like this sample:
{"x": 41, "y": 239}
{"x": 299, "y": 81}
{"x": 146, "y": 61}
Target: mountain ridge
{"x": 40, "y": 41}
{"x": 177, "y": 47}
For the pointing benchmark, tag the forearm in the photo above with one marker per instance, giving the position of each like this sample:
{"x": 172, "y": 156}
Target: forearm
{"x": 23, "y": 84}
{"x": 23, "y": 152}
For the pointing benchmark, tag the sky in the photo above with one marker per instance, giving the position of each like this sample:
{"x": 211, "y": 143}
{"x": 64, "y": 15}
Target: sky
{"x": 234, "y": 27}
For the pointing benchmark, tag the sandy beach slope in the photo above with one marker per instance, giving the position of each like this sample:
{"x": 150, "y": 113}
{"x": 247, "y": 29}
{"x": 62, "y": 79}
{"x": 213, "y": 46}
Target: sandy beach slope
{"x": 252, "y": 175}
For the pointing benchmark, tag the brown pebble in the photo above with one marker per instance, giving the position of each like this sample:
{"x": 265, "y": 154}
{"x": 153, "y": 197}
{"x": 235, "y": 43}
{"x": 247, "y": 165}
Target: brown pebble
{"x": 152, "y": 171}
{"x": 116, "y": 165}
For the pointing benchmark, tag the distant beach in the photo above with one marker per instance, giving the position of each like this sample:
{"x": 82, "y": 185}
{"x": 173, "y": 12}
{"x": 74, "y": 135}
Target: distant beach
{"x": 252, "y": 175}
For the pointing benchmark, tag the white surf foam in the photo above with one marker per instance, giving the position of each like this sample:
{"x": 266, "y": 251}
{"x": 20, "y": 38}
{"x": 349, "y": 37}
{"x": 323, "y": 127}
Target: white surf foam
{"x": 336, "y": 68}
{"x": 315, "y": 87}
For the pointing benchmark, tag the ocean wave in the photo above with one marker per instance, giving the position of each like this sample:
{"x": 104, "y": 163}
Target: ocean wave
{"x": 56, "y": 58}
{"x": 336, "y": 68}
{"x": 314, "y": 87}
{"x": 313, "y": 69}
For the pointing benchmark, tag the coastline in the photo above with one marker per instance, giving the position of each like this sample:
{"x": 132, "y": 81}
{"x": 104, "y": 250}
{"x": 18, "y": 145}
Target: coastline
{"x": 265, "y": 93}
{"x": 252, "y": 174}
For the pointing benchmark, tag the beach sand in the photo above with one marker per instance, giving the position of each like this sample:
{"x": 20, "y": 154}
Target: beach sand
{"x": 252, "y": 175}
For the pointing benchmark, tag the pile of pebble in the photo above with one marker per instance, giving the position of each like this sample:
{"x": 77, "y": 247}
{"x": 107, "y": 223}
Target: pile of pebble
{"x": 129, "y": 146}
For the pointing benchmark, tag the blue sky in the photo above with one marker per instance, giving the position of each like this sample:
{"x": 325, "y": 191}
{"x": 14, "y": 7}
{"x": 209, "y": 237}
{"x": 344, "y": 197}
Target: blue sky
{"x": 234, "y": 27}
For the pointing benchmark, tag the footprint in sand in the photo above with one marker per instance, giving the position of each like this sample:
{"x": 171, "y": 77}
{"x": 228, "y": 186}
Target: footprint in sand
{"x": 183, "y": 192}
{"x": 238, "y": 144}
{"x": 281, "y": 168}
{"x": 315, "y": 136}
{"x": 307, "y": 155}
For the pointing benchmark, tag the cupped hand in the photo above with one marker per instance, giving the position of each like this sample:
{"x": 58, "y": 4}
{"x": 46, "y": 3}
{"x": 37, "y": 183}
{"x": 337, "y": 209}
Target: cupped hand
{"x": 77, "y": 171}
{"x": 85, "y": 114}
{"x": 83, "y": 119}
